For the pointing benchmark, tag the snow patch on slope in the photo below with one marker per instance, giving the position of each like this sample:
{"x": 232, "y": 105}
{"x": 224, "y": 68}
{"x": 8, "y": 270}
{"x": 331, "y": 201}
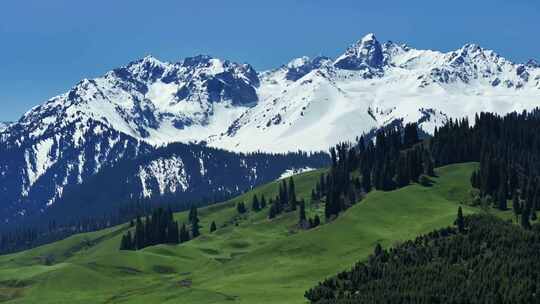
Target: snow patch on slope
{"x": 294, "y": 171}
{"x": 169, "y": 174}
{"x": 38, "y": 160}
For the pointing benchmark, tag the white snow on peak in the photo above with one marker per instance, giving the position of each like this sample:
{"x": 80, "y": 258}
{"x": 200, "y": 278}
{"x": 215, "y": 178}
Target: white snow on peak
{"x": 368, "y": 37}
{"x": 4, "y": 126}
{"x": 298, "y": 62}
{"x": 305, "y": 104}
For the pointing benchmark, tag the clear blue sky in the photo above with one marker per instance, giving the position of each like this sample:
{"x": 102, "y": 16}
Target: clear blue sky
{"x": 47, "y": 46}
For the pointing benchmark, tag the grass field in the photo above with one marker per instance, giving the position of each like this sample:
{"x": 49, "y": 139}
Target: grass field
{"x": 249, "y": 259}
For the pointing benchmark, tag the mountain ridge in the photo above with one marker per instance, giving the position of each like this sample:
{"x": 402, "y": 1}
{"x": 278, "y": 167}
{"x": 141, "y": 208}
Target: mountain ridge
{"x": 306, "y": 104}
{"x": 203, "y": 99}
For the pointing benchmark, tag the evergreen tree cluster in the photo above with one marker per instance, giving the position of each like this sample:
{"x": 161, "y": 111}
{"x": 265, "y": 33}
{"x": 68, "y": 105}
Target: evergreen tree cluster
{"x": 194, "y": 221}
{"x": 485, "y": 260}
{"x": 25, "y": 238}
{"x": 258, "y": 205}
{"x": 508, "y": 149}
{"x": 286, "y": 200}
{"x": 397, "y": 159}
{"x": 241, "y": 208}
{"x": 159, "y": 228}
{"x": 305, "y": 222}
{"x": 340, "y": 191}
{"x": 13, "y": 240}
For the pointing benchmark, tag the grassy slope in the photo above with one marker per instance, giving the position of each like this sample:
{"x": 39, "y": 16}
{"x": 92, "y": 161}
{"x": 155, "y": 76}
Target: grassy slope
{"x": 253, "y": 261}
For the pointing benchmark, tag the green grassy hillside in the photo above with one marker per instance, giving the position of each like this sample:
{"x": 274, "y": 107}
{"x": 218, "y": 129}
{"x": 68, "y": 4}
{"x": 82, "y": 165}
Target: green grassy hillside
{"x": 249, "y": 259}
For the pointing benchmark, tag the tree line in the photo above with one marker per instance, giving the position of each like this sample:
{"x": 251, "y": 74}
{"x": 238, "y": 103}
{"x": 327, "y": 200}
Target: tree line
{"x": 508, "y": 149}
{"x": 36, "y": 235}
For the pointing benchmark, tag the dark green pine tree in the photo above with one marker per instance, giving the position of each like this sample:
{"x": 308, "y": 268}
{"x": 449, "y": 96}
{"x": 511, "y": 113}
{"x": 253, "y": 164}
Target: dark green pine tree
{"x": 194, "y": 221}
{"x": 316, "y": 221}
{"x": 410, "y": 135}
{"x": 272, "y": 212}
{"x": 292, "y": 194}
{"x": 241, "y": 208}
{"x": 501, "y": 197}
{"x": 474, "y": 179}
{"x": 213, "y": 227}
{"x": 328, "y": 209}
{"x": 302, "y": 213}
{"x": 192, "y": 214}
{"x": 195, "y": 229}
{"x": 525, "y": 217}
{"x": 123, "y": 243}
{"x": 173, "y": 233}
{"x": 139, "y": 234}
{"x": 322, "y": 185}
{"x": 403, "y": 171}
{"x": 263, "y": 202}
{"x": 284, "y": 194}
{"x": 460, "y": 221}
{"x": 513, "y": 180}
{"x": 516, "y": 205}
{"x": 378, "y": 250}
{"x": 366, "y": 180}
{"x": 184, "y": 234}
{"x": 255, "y": 205}
{"x": 126, "y": 243}
{"x": 428, "y": 164}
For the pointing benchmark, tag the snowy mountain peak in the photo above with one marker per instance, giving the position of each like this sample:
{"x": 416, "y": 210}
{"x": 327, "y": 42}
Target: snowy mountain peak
{"x": 298, "y": 62}
{"x": 201, "y": 60}
{"x": 366, "y": 53}
{"x": 208, "y": 65}
{"x": 368, "y": 38}
{"x": 533, "y": 63}
{"x": 299, "y": 67}
{"x": 4, "y": 126}
{"x": 473, "y": 52}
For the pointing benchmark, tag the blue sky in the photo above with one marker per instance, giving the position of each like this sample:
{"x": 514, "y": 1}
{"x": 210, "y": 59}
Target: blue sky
{"x": 47, "y": 46}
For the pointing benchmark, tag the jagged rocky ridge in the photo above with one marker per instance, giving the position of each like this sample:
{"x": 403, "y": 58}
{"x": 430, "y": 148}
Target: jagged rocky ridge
{"x": 307, "y": 104}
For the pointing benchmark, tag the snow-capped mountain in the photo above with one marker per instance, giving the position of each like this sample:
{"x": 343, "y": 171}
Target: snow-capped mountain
{"x": 373, "y": 84}
{"x": 4, "y": 125}
{"x": 155, "y": 101}
{"x": 231, "y": 106}
{"x": 119, "y": 116}
{"x": 307, "y": 104}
